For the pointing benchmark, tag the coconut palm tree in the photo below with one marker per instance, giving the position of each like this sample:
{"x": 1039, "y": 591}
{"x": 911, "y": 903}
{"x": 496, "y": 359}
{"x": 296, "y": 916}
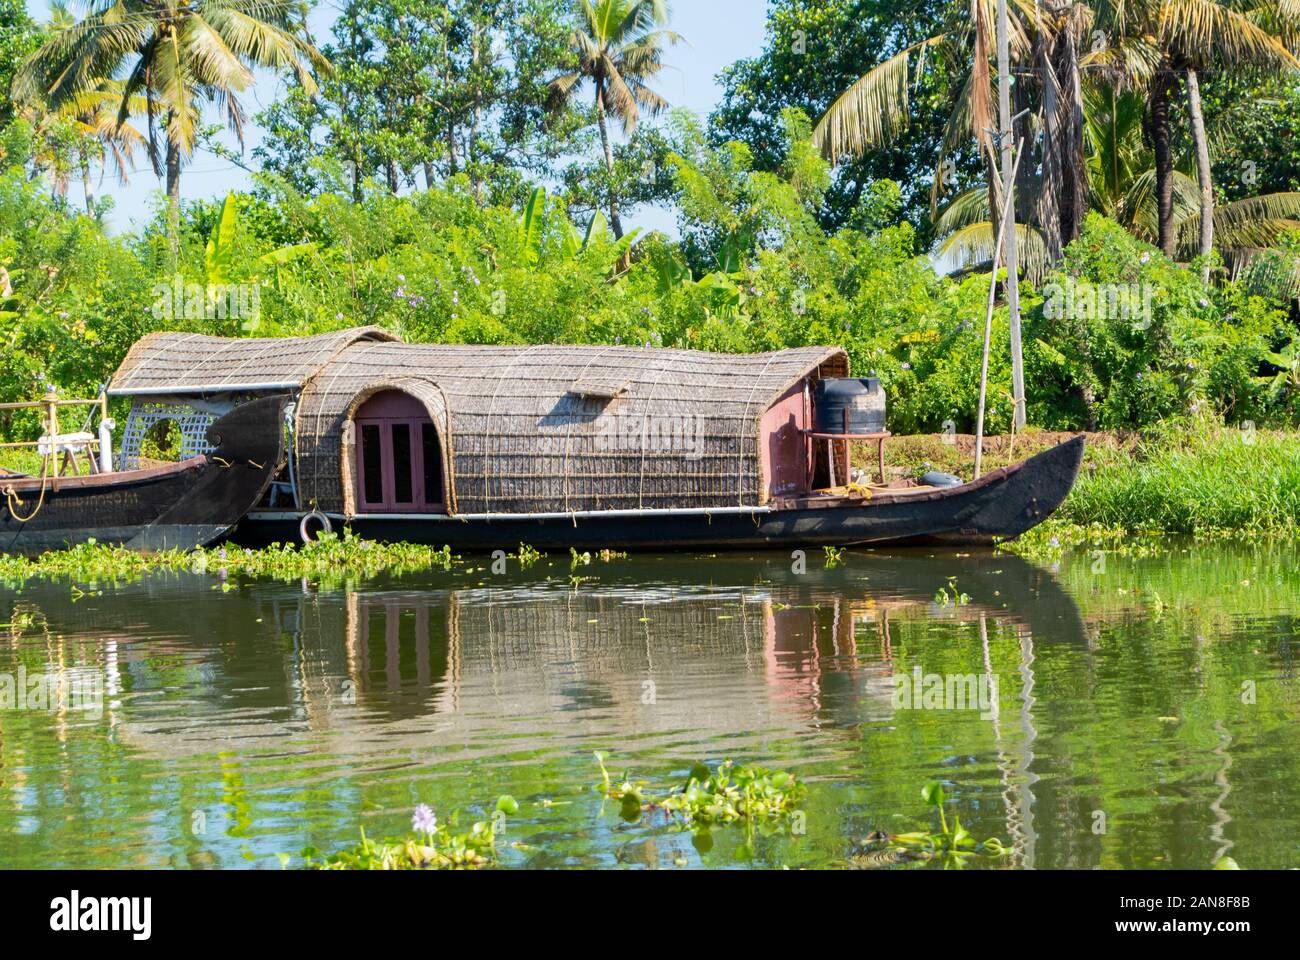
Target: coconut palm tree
{"x": 1152, "y": 44}
{"x": 619, "y": 45}
{"x": 90, "y": 120}
{"x": 1121, "y": 176}
{"x": 175, "y": 54}
{"x": 875, "y": 108}
{"x": 82, "y": 129}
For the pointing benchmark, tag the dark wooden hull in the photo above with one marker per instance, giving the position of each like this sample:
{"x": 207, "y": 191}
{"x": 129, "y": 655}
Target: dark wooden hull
{"x": 1000, "y": 505}
{"x": 180, "y": 506}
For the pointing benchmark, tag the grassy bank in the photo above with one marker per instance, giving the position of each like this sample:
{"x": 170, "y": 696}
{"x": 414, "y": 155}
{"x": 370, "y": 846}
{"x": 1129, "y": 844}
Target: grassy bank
{"x": 1183, "y": 478}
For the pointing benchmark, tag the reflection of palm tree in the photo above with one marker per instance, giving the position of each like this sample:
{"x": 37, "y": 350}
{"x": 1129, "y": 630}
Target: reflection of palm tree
{"x": 619, "y": 44}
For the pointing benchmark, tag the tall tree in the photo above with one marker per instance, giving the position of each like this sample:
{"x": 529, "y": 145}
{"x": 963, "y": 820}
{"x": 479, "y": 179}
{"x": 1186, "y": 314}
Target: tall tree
{"x": 1158, "y": 43}
{"x": 18, "y": 38}
{"x": 619, "y": 48}
{"x": 426, "y": 90}
{"x": 813, "y": 51}
{"x": 176, "y": 55}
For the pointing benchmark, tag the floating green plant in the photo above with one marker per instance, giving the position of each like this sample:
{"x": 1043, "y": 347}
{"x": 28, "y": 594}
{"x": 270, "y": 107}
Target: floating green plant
{"x": 834, "y": 556}
{"x": 528, "y": 556}
{"x": 430, "y": 846}
{"x": 951, "y": 595}
{"x": 949, "y": 846}
{"x": 331, "y": 555}
{"x": 729, "y": 794}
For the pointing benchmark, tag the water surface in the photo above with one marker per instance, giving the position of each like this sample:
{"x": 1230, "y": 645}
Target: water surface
{"x": 1145, "y": 717}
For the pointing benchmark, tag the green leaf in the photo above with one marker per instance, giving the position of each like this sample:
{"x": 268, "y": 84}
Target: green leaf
{"x": 221, "y": 243}
{"x": 932, "y": 793}
{"x": 597, "y": 228}
{"x": 507, "y": 804}
{"x": 534, "y": 215}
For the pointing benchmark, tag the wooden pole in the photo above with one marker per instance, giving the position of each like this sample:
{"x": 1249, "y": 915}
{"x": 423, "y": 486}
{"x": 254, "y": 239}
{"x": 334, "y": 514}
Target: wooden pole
{"x": 988, "y": 334}
{"x": 52, "y": 431}
{"x": 1011, "y": 256}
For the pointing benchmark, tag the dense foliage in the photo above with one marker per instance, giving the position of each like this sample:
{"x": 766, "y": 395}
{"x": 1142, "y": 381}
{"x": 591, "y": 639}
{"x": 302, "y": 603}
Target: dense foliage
{"x": 406, "y": 194}
{"x": 754, "y": 271}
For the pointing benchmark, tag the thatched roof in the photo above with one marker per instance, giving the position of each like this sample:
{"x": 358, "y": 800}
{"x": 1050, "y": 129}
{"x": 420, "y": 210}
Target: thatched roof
{"x": 188, "y": 363}
{"x": 524, "y": 430}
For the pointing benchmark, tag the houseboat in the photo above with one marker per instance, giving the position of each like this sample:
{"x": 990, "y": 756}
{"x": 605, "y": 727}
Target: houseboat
{"x": 487, "y": 447}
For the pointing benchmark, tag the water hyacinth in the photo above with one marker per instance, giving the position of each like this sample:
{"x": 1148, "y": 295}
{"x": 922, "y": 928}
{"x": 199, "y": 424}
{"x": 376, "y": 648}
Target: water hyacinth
{"x": 424, "y": 820}
{"x": 433, "y": 846}
{"x": 730, "y": 794}
{"x": 329, "y": 557}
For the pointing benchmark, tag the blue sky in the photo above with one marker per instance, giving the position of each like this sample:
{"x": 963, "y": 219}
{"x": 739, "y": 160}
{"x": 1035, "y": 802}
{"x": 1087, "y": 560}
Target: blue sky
{"x": 719, "y": 32}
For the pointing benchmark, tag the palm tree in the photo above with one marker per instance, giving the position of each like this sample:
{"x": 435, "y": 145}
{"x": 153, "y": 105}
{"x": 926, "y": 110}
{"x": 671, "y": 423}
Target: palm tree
{"x": 90, "y": 118}
{"x": 81, "y": 129}
{"x": 875, "y": 108}
{"x": 619, "y": 45}
{"x": 1153, "y": 43}
{"x": 174, "y": 54}
{"x": 1121, "y": 184}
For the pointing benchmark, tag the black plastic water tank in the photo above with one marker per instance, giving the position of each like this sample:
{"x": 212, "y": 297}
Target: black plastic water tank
{"x": 863, "y": 398}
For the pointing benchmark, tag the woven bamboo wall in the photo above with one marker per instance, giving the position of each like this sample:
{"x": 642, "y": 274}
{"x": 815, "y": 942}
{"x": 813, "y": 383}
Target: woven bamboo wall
{"x": 519, "y": 441}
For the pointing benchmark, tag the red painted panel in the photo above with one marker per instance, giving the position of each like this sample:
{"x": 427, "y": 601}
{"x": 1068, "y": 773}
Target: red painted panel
{"x": 783, "y": 449}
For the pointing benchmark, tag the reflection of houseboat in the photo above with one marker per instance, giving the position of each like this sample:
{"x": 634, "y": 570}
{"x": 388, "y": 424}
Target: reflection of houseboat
{"x": 558, "y": 446}
{"x": 429, "y": 664}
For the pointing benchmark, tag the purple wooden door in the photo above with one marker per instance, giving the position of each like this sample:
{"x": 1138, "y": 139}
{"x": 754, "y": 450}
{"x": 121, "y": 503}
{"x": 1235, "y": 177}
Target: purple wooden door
{"x": 399, "y": 456}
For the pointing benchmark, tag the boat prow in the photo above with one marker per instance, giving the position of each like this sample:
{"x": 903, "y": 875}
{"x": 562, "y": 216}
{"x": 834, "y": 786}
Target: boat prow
{"x": 174, "y": 506}
{"x": 1006, "y": 502}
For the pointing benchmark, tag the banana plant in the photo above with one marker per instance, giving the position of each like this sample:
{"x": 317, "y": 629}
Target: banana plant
{"x": 219, "y": 254}
{"x": 573, "y": 242}
{"x": 1287, "y": 379}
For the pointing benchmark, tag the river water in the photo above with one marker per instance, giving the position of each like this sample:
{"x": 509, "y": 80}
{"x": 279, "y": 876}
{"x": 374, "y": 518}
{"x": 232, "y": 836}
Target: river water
{"x": 1114, "y": 711}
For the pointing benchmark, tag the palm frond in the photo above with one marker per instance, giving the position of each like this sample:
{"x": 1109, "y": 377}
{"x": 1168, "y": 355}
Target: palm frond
{"x": 970, "y": 206}
{"x": 872, "y": 111}
{"x": 972, "y": 248}
{"x": 1251, "y": 222}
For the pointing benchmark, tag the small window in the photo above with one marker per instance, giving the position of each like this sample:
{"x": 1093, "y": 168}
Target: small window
{"x": 372, "y": 460}
{"x": 403, "y": 481}
{"x": 431, "y": 453}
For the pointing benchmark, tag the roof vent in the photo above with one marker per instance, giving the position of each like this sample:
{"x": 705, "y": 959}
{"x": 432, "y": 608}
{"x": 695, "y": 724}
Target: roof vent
{"x": 599, "y": 388}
